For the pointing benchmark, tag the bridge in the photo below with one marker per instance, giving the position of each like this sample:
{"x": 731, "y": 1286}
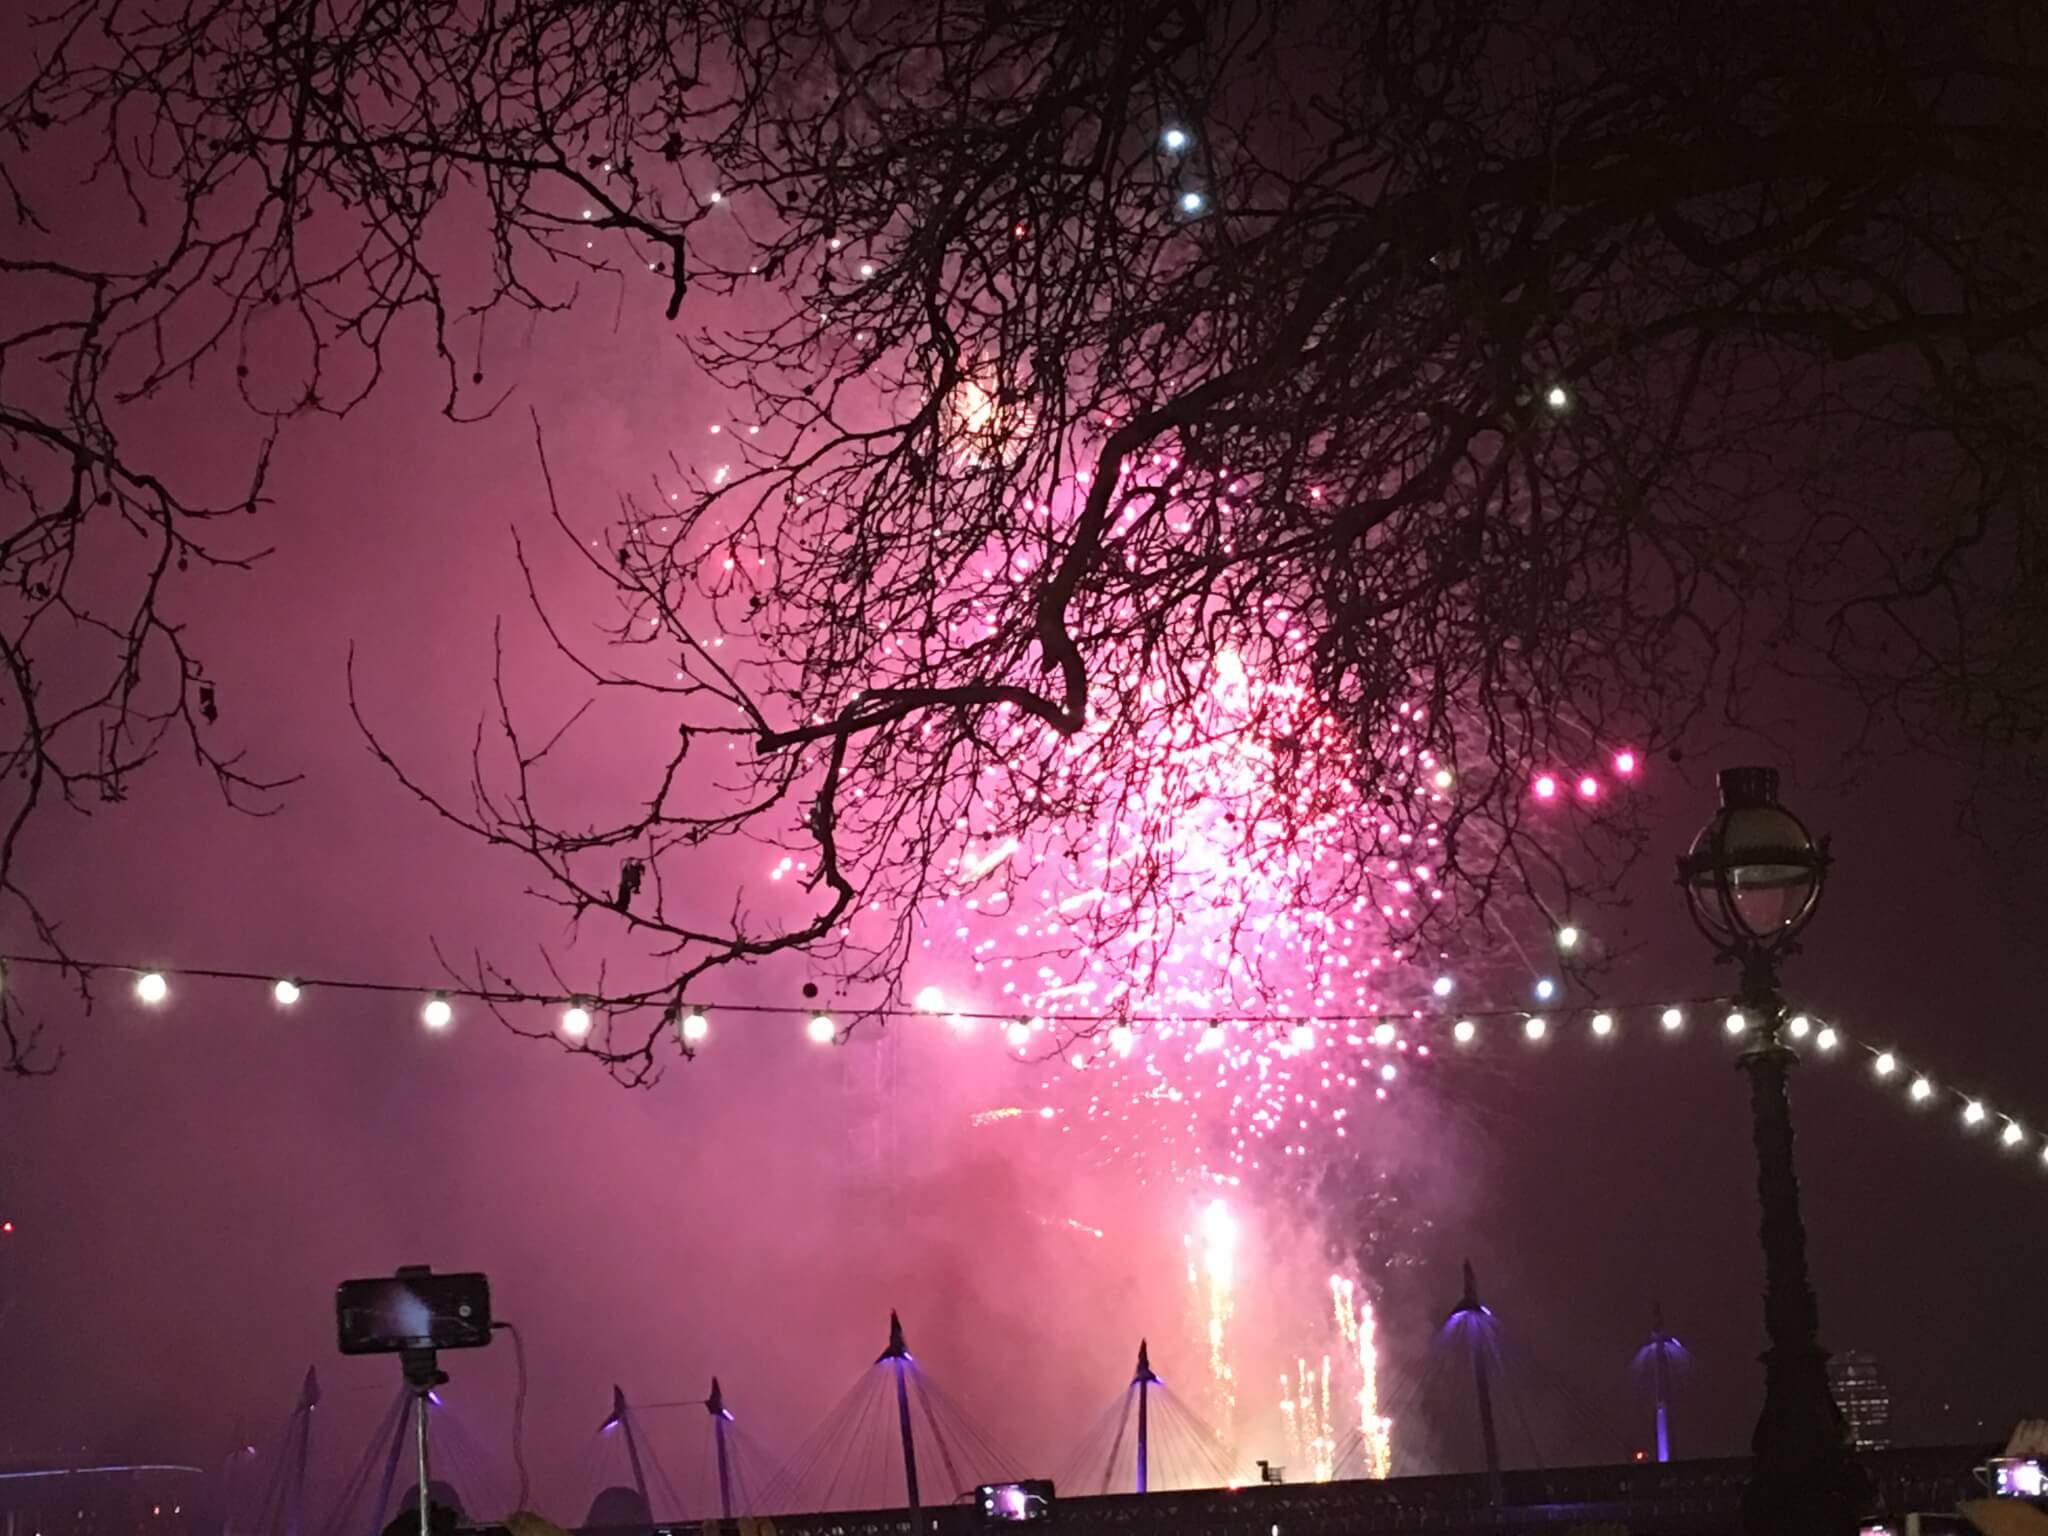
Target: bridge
{"x": 1679, "y": 1498}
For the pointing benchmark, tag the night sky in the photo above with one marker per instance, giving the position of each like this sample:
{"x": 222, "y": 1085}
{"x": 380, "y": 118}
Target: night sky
{"x": 192, "y": 1181}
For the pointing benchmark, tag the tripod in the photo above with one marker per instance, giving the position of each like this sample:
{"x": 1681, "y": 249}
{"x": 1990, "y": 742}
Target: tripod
{"x": 423, "y": 1373}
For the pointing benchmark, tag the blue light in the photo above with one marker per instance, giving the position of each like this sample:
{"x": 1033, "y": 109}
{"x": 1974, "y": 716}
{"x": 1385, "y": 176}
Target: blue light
{"x": 1546, "y": 988}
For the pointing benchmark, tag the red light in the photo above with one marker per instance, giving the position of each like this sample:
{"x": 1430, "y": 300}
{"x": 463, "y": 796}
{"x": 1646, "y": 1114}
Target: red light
{"x": 1624, "y": 762}
{"x": 1588, "y": 787}
{"x": 6, "y": 1229}
{"x": 1546, "y": 786}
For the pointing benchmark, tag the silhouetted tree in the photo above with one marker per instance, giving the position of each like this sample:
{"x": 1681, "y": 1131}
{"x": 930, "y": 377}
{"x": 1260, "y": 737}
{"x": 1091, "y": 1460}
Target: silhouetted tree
{"x": 1497, "y": 381}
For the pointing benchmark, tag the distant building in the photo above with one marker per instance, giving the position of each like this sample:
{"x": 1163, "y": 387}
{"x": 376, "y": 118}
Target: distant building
{"x": 1865, "y": 1401}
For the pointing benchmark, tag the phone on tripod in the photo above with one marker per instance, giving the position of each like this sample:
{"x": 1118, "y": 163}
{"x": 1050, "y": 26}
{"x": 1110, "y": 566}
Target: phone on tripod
{"x": 411, "y": 1311}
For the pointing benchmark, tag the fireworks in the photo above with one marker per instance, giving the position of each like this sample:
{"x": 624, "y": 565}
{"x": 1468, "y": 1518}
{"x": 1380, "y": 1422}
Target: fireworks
{"x": 1212, "y": 1271}
{"x": 1358, "y": 1326}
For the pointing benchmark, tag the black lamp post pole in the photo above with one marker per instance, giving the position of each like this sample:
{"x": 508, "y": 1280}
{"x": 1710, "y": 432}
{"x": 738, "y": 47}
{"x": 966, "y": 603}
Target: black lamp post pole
{"x": 1803, "y": 1479}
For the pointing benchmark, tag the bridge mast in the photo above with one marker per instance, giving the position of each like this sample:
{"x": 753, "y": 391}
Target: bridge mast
{"x": 1477, "y": 1322}
{"x": 898, "y": 1356}
{"x": 622, "y": 1419}
{"x": 1143, "y": 1381}
{"x": 1661, "y": 1344}
{"x": 715, "y": 1403}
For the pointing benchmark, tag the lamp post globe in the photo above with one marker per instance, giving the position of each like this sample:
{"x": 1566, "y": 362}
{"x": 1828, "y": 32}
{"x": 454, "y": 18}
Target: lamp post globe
{"x": 1752, "y": 879}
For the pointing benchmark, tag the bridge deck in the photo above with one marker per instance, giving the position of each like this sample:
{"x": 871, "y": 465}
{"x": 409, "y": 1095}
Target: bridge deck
{"x": 1685, "y": 1498}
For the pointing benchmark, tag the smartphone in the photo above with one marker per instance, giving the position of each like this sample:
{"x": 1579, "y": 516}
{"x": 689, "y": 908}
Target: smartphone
{"x": 1001, "y": 1503}
{"x": 413, "y": 1309}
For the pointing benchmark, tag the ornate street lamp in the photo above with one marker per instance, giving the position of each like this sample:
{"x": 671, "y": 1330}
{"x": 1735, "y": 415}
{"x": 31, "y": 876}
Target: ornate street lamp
{"x": 1752, "y": 880}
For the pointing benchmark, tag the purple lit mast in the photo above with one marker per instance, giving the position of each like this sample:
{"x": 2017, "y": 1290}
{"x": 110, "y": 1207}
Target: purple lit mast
{"x": 1660, "y": 1352}
{"x": 715, "y": 1405}
{"x": 1471, "y": 1317}
{"x": 622, "y": 1419}
{"x": 1143, "y": 1381}
{"x": 898, "y": 1356}
{"x": 299, "y": 1446}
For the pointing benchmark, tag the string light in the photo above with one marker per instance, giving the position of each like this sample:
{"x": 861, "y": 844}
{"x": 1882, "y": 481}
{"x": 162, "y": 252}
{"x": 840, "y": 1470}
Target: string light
{"x": 1175, "y": 139}
{"x": 1191, "y": 202}
{"x": 1624, "y": 763}
{"x": 1568, "y": 937}
{"x": 152, "y": 986}
{"x": 1557, "y": 397}
{"x": 1545, "y": 989}
{"x": 1545, "y": 786}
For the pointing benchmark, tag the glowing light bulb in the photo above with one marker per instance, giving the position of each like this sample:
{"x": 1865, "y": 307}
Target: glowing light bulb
{"x": 1827, "y": 1039}
{"x": 1191, "y": 202}
{"x": 286, "y": 993}
{"x": 1442, "y": 986}
{"x": 1798, "y": 1026}
{"x": 1603, "y": 1024}
{"x": 437, "y": 1014}
{"x": 1885, "y": 1065}
{"x": 1557, "y": 397}
{"x": 1174, "y": 138}
{"x": 1020, "y": 1034}
{"x": 1568, "y": 937}
{"x": 1589, "y": 787}
{"x": 1624, "y": 763}
{"x": 930, "y": 1000}
{"x": 151, "y": 987}
{"x": 575, "y": 1022}
{"x": 695, "y": 1026}
{"x": 1922, "y": 1090}
{"x": 1441, "y": 778}
{"x": 1672, "y": 1018}
{"x": 1122, "y": 1040}
{"x": 1973, "y": 1113}
{"x": 1388, "y": 1073}
{"x": 1735, "y": 1023}
{"x": 821, "y": 1029}
{"x": 2012, "y": 1135}
{"x": 1303, "y": 1037}
{"x": 1545, "y": 988}
{"x": 867, "y": 269}
{"x": 1536, "y": 1028}
{"x": 1463, "y": 1031}
{"x": 1546, "y": 787}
